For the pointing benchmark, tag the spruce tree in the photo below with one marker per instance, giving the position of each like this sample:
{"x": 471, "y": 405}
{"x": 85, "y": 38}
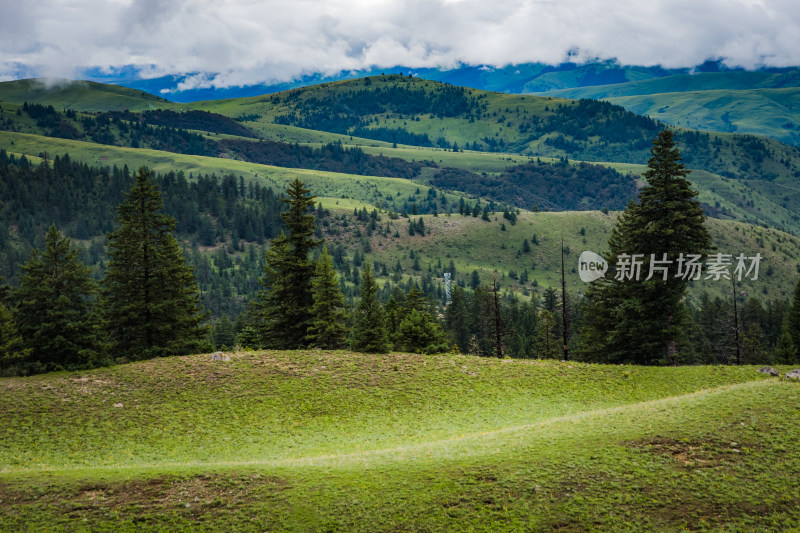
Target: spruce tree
{"x": 223, "y": 334}
{"x": 420, "y": 333}
{"x": 285, "y": 300}
{"x": 458, "y": 319}
{"x": 151, "y": 301}
{"x": 55, "y": 308}
{"x": 328, "y": 327}
{"x": 641, "y": 321}
{"x": 546, "y": 341}
{"x": 369, "y": 329}
{"x": 13, "y": 353}
{"x": 786, "y": 352}
{"x": 417, "y": 329}
{"x": 793, "y": 317}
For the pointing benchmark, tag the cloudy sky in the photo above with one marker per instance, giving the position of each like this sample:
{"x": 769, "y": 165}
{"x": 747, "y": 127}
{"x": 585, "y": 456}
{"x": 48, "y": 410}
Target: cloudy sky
{"x": 242, "y": 42}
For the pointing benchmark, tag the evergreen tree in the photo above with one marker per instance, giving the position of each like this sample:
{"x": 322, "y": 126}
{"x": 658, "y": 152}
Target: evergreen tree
{"x": 545, "y": 339}
{"x": 12, "y": 350}
{"x": 55, "y": 308}
{"x": 793, "y": 317}
{"x": 150, "y": 297}
{"x": 417, "y": 329}
{"x": 786, "y": 349}
{"x": 223, "y": 334}
{"x": 420, "y": 333}
{"x": 328, "y": 327}
{"x": 286, "y": 299}
{"x": 457, "y": 318}
{"x": 369, "y": 329}
{"x": 474, "y": 280}
{"x": 641, "y": 321}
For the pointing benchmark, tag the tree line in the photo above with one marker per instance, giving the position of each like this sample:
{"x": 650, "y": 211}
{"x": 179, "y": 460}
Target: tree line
{"x": 301, "y": 300}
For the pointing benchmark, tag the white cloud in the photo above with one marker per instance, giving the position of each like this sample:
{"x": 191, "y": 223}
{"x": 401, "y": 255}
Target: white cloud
{"x": 239, "y": 42}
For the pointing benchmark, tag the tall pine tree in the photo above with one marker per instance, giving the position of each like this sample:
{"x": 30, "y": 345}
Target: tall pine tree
{"x": 286, "y": 300}
{"x": 55, "y": 308}
{"x": 13, "y": 353}
{"x": 793, "y": 318}
{"x": 328, "y": 327}
{"x": 151, "y": 300}
{"x": 369, "y": 330}
{"x": 641, "y": 321}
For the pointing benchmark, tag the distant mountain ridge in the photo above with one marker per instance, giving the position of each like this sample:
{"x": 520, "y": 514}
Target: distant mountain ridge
{"x": 745, "y": 101}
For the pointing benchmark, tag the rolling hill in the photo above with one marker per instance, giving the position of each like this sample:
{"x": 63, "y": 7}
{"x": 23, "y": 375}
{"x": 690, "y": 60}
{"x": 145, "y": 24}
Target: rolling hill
{"x": 79, "y": 95}
{"x": 335, "y": 440}
{"x": 754, "y": 180}
{"x": 760, "y": 103}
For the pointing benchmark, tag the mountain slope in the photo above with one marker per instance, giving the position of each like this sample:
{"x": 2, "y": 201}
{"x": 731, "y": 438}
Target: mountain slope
{"x": 761, "y": 103}
{"x": 79, "y": 95}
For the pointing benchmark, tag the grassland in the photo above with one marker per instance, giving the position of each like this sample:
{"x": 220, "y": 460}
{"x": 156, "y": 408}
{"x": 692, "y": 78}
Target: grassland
{"x": 759, "y": 103}
{"x": 341, "y": 441}
{"x": 367, "y": 191}
{"x": 79, "y": 95}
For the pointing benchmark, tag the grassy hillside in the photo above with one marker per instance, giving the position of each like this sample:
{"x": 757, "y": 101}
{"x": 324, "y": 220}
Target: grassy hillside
{"x": 474, "y": 244}
{"x": 522, "y": 124}
{"x": 367, "y": 191}
{"x": 706, "y": 81}
{"x": 770, "y": 112}
{"x": 79, "y": 95}
{"x": 758, "y": 103}
{"x": 516, "y": 125}
{"x": 341, "y": 441}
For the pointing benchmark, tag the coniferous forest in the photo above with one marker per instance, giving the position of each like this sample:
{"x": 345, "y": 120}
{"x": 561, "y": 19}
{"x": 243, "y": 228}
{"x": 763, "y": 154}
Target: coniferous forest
{"x": 145, "y": 289}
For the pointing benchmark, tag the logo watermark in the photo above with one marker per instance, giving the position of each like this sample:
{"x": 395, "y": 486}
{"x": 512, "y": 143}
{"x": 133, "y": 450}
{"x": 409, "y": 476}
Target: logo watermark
{"x": 591, "y": 266}
{"x": 635, "y": 267}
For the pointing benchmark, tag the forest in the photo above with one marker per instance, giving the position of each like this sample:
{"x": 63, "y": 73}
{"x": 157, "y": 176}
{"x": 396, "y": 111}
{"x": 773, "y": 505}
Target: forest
{"x": 248, "y": 287}
{"x": 537, "y": 185}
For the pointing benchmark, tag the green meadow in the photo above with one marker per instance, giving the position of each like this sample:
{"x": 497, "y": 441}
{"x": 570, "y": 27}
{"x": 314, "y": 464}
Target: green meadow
{"x": 328, "y": 441}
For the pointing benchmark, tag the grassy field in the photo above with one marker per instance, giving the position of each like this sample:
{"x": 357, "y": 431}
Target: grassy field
{"x": 329, "y": 441}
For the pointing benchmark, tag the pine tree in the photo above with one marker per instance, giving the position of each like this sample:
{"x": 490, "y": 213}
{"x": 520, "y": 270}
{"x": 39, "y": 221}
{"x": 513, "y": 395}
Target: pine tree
{"x": 545, "y": 339}
{"x": 420, "y": 333}
{"x": 793, "y": 317}
{"x": 55, "y": 308}
{"x": 458, "y": 319}
{"x": 369, "y": 329}
{"x": 417, "y": 329}
{"x": 223, "y": 334}
{"x": 12, "y": 349}
{"x": 786, "y": 349}
{"x": 286, "y": 300}
{"x": 328, "y": 327}
{"x": 151, "y": 300}
{"x": 641, "y": 321}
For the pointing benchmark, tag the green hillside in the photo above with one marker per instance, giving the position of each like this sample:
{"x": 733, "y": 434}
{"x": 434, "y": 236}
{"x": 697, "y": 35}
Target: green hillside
{"x": 366, "y": 190}
{"x": 79, "y": 95}
{"x": 475, "y": 244}
{"x": 413, "y": 111}
{"x": 769, "y": 112}
{"x": 759, "y": 103}
{"x": 706, "y": 81}
{"x": 339, "y": 441}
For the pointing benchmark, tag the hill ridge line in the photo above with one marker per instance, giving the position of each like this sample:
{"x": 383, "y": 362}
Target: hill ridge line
{"x": 319, "y": 460}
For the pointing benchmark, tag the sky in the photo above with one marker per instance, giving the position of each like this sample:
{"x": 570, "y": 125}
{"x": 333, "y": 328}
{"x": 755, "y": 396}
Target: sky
{"x": 225, "y": 43}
